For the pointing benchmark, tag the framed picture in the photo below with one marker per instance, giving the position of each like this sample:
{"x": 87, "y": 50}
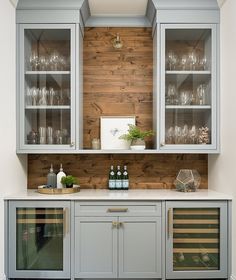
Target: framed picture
{"x": 111, "y": 128}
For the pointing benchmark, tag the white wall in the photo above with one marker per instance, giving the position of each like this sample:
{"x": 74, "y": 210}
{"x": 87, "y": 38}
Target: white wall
{"x": 12, "y": 168}
{"x": 222, "y": 168}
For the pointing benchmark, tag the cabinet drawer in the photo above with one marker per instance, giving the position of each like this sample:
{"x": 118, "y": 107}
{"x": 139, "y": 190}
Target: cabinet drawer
{"x": 118, "y": 209}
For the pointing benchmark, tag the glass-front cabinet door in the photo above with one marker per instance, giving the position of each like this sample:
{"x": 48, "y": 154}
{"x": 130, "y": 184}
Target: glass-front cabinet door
{"x": 47, "y": 86}
{"x": 189, "y": 87}
{"x": 196, "y": 240}
{"x": 39, "y": 243}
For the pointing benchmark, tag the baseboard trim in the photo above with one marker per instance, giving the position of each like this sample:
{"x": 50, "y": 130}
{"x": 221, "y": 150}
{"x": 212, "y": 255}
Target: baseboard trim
{"x": 232, "y": 277}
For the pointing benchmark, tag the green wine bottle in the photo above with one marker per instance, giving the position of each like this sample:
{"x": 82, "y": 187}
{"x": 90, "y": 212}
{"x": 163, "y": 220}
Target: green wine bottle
{"x": 125, "y": 179}
{"x": 112, "y": 179}
{"x": 118, "y": 178}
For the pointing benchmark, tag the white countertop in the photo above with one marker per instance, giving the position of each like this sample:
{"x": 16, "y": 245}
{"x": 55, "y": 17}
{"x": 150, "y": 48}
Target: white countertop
{"x": 123, "y": 195}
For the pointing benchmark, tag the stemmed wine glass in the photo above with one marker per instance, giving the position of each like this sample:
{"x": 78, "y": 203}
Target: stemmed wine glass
{"x": 201, "y": 94}
{"x": 172, "y": 60}
{"x": 193, "y": 60}
{"x": 171, "y": 94}
{"x": 183, "y": 62}
{"x": 203, "y": 63}
{"x": 34, "y": 61}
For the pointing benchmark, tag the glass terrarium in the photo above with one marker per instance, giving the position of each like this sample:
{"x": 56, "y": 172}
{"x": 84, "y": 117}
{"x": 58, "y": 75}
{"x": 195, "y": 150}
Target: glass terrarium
{"x": 187, "y": 180}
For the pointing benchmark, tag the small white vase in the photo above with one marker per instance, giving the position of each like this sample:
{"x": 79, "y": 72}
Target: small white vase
{"x": 138, "y": 145}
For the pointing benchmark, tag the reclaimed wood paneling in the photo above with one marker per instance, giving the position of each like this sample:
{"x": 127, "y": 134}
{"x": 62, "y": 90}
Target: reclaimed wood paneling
{"x": 146, "y": 171}
{"x": 117, "y": 82}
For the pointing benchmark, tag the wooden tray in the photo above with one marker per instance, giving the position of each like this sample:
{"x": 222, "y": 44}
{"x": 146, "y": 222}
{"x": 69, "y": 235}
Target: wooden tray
{"x": 75, "y": 189}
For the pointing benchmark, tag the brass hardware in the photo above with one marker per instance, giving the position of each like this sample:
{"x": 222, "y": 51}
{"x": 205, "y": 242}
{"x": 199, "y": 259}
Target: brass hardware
{"x": 117, "y": 42}
{"x": 72, "y": 144}
{"x": 121, "y": 224}
{"x": 39, "y": 221}
{"x": 115, "y": 224}
{"x": 65, "y": 221}
{"x": 114, "y": 210}
{"x": 170, "y": 222}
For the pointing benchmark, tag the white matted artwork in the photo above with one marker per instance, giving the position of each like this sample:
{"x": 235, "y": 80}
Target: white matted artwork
{"x": 111, "y": 128}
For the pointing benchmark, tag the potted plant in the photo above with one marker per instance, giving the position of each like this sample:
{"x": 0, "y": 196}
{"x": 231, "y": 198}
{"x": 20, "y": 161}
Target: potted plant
{"x": 136, "y": 137}
{"x": 68, "y": 181}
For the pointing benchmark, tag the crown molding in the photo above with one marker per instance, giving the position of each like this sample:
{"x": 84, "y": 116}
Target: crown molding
{"x": 221, "y": 2}
{"x": 14, "y": 3}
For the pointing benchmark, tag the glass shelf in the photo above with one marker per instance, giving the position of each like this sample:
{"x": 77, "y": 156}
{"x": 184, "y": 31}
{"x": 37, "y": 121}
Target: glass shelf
{"x": 47, "y": 107}
{"x": 188, "y": 72}
{"x": 47, "y": 72}
{"x": 188, "y": 107}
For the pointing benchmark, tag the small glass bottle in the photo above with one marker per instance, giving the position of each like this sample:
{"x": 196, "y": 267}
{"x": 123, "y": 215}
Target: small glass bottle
{"x": 125, "y": 179}
{"x": 112, "y": 179}
{"x": 118, "y": 178}
{"x": 51, "y": 178}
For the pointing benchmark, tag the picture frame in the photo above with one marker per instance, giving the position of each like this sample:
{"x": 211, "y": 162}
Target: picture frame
{"x": 111, "y": 128}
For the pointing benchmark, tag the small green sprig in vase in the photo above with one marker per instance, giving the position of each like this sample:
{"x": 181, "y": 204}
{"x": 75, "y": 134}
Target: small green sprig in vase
{"x": 136, "y": 137}
{"x": 68, "y": 181}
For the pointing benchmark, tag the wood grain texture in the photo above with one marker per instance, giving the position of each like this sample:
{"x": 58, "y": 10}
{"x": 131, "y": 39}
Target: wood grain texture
{"x": 146, "y": 171}
{"x": 117, "y": 82}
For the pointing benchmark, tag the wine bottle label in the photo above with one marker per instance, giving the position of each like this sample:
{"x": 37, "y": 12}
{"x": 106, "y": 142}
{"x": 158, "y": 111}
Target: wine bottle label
{"x": 112, "y": 184}
{"x": 125, "y": 184}
{"x": 118, "y": 184}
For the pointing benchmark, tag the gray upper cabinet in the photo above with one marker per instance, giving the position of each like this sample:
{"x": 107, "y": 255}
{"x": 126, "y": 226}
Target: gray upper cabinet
{"x": 46, "y": 86}
{"x": 50, "y": 75}
{"x": 186, "y": 76}
{"x": 49, "y": 51}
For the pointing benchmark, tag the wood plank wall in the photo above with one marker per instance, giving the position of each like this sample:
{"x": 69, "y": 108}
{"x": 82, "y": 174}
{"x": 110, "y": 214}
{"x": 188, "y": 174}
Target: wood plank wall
{"x": 117, "y": 82}
{"x": 146, "y": 171}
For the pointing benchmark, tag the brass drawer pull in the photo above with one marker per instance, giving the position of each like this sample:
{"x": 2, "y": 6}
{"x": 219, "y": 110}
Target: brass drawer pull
{"x": 115, "y": 210}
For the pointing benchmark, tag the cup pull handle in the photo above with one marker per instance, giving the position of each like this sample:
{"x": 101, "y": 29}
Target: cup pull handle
{"x": 115, "y": 210}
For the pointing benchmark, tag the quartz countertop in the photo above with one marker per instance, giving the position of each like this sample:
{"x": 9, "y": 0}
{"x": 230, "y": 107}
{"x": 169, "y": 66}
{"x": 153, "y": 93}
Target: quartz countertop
{"x": 134, "y": 194}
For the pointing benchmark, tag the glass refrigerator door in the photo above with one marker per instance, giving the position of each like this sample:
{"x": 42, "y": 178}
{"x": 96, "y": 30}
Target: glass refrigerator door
{"x": 39, "y": 239}
{"x": 196, "y": 239}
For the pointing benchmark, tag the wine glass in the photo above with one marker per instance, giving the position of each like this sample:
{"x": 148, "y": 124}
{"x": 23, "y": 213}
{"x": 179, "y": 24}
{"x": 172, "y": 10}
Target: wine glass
{"x": 172, "y": 60}
{"x": 178, "y": 135}
{"x": 193, "y": 135}
{"x": 183, "y": 61}
{"x": 54, "y": 61}
{"x": 170, "y": 135}
{"x": 185, "y": 97}
{"x": 34, "y": 61}
{"x": 193, "y": 60}
{"x": 171, "y": 94}
{"x": 203, "y": 63}
{"x": 201, "y": 94}
{"x": 43, "y": 63}
{"x": 185, "y": 134}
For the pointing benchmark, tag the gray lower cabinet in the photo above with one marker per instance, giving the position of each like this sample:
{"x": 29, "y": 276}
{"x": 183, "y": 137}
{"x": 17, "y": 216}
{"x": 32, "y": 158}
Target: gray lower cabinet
{"x": 119, "y": 242}
{"x": 95, "y": 247}
{"x": 197, "y": 240}
{"x": 140, "y": 247}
